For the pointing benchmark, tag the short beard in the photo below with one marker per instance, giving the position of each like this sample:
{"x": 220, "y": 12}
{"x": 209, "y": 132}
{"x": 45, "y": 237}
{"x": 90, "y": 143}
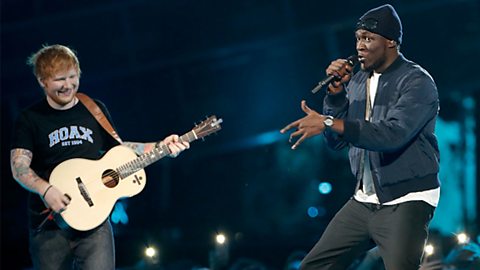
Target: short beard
{"x": 375, "y": 65}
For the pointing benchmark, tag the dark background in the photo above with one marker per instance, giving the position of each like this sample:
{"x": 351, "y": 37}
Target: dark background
{"x": 160, "y": 66}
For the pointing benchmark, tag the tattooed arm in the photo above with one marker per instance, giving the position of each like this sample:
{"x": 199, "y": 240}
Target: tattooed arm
{"x": 20, "y": 160}
{"x": 172, "y": 141}
{"x": 140, "y": 148}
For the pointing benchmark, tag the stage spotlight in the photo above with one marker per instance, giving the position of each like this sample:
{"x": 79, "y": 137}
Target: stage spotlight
{"x": 119, "y": 213}
{"x": 325, "y": 187}
{"x": 316, "y": 211}
{"x": 150, "y": 252}
{"x": 151, "y": 255}
{"x": 462, "y": 238}
{"x": 429, "y": 250}
{"x": 220, "y": 239}
{"x": 219, "y": 255}
{"x": 312, "y": 212}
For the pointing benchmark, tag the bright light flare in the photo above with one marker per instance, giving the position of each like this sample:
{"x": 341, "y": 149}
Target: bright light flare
{"x": 150, "y": 252}
{"x": 429, "y": 249}
{"x": 220, "y": 239}
{"x": 462, "y": 238}
{"x": 325, "y": 187}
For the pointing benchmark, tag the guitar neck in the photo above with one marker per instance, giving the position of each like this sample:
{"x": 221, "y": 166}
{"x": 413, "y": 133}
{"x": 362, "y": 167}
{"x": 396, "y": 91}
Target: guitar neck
{"x": 148, "y": 158}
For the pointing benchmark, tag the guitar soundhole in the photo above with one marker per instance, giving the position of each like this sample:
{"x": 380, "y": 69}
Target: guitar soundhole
{"x": 110, "y": 178}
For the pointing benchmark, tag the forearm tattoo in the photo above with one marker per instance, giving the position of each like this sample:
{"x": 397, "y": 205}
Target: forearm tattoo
{"x": 20, "y": 160}
{"x": 140, "y": 148}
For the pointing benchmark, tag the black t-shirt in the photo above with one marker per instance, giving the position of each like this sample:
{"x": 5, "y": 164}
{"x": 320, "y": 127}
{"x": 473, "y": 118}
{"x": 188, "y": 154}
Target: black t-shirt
{"x": 54, "y": 136}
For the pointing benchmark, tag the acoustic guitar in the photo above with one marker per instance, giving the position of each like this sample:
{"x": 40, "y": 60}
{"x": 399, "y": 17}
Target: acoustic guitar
{"x": 94, "y": 186}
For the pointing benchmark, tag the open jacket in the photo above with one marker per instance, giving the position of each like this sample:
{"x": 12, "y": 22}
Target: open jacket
{"x": 399, "y": 138}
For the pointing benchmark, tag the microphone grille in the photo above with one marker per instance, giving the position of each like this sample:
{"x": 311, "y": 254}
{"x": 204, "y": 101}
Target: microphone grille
{"x": 352, "y": 60}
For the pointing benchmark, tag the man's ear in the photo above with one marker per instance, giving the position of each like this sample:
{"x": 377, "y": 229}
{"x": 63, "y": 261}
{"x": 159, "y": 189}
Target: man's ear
{"x": 392, "y": 44}
{"x": 40, "y": 81}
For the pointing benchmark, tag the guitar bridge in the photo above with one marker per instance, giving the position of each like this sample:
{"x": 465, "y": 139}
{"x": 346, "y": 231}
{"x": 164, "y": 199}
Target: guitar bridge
{"x": 84, "y": 192}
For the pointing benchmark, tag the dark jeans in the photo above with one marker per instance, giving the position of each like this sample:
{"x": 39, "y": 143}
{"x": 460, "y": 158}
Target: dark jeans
{"x": 400, "y": 232}
{"x": 62, "y": 250}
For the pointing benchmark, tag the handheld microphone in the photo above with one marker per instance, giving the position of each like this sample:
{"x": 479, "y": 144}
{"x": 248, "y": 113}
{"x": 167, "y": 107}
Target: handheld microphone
{"x": 352, "y": 60}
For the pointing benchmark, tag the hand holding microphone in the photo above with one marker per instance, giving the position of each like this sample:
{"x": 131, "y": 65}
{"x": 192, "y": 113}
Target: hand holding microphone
{"x": 339, "y": 71}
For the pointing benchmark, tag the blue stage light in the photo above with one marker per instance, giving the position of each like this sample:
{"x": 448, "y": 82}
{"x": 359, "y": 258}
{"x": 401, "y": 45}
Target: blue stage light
{"x": 325, "y": 188}
{"x": 312, "y": 212}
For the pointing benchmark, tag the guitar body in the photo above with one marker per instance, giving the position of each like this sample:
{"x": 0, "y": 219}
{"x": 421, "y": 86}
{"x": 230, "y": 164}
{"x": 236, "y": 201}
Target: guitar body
{"x": 94, "y": 186}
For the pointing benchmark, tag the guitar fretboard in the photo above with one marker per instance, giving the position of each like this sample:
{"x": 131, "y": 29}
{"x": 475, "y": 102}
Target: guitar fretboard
{"x": 146, "y": 159}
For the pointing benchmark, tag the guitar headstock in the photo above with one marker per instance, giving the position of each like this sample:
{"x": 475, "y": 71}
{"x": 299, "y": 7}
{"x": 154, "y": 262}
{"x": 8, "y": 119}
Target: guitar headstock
{"x": 207, "y": 127}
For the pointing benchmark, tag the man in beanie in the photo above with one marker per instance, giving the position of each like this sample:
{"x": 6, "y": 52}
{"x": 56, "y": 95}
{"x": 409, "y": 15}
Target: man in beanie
{"x": 385, "y": 114}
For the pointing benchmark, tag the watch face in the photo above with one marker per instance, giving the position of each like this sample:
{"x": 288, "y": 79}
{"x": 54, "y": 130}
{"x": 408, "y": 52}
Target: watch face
{"x": 328, "y": 122}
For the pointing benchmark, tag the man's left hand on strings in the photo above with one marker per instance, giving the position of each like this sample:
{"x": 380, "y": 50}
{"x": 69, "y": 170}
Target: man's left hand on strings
{"x": 175, "y": 145}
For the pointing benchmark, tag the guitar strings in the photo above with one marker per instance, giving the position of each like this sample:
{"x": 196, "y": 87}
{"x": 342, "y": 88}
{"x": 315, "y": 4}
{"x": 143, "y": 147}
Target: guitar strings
{"x": 129, "y": 168}
{"x": 115, "y": 175}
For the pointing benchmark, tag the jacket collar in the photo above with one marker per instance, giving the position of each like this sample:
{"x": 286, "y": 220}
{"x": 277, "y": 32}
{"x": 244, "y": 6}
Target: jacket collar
{"x": 396, "y": 64}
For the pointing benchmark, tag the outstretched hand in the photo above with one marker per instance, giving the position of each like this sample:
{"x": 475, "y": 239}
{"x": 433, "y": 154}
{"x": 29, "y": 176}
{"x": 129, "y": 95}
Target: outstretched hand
{"x": 308, "y": 126}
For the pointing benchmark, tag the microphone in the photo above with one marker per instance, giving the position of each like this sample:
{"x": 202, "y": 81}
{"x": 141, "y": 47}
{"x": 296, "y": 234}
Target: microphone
{"x": 352, "y": 60}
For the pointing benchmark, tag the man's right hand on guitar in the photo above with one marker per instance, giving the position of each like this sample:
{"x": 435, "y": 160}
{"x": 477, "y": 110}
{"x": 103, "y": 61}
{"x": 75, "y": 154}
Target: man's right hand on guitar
{"x": 55, "y": 199}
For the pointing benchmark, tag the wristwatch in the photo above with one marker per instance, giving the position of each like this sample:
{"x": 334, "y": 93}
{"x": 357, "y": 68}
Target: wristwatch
{"x": 328, "y": 122}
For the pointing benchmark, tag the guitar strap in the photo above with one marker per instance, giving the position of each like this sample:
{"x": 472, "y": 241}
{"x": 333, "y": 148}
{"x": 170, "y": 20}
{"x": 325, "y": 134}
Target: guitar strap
{"x": 99, "y": 115}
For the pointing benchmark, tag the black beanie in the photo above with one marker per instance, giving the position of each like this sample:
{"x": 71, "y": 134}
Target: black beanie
{"x": 384, "y": 21}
